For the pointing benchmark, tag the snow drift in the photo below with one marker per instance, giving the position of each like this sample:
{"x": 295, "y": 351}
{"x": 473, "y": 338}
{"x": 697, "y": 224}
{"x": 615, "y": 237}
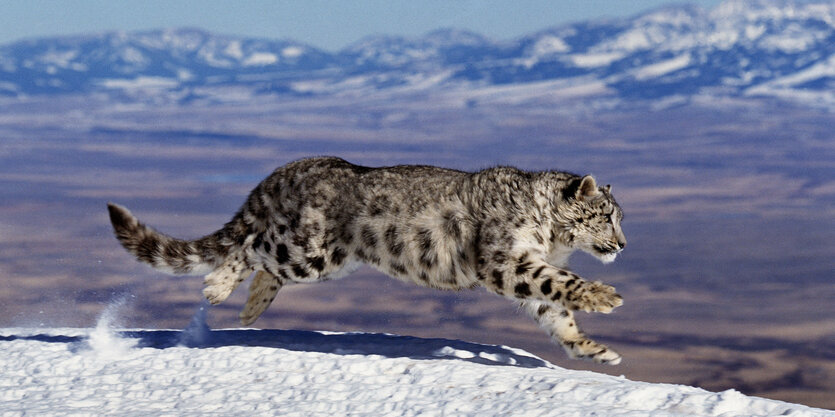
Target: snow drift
{"x": 70, "y": 371}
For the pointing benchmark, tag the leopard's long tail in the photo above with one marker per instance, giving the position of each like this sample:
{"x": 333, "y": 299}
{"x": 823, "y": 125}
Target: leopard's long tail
{"x": 171, "y": 255}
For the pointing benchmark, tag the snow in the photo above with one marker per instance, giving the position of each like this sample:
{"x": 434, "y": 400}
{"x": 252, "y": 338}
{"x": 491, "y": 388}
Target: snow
{"x": 260, "y": 58}
{"x": 545, "y": 46}
{"x": 133, "y": 56}
{"x": 140, "y": 82}
{"x": 786, "y": 86}
{"x": 292, "y": 52}
{"x": 636, "y": 39}
{"x": 102, "y": 371}
{"x": 63, "y": 59}
{"x": 209, "y": 55}
{"x": 753, "y": 32}
{"x": 664, "y": 67}
{"x": 550, "y": 45}
{"x": 235, "y": 50}
{"x": 819, "y": 70}
{"x": 595, "y": 60}
{"x": 792, "y": 33}
{"x": 184, "y": 74}
{"x": 7, "y": 86}
{"x": 793, "y": 39}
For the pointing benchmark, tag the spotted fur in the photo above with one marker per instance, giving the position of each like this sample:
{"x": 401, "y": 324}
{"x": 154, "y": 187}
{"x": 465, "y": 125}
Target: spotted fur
{"x": 503, "y": 229}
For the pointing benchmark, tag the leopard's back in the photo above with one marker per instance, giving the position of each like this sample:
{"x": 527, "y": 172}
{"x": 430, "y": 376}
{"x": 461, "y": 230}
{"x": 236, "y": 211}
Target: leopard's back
{"x": 319, "y": 215}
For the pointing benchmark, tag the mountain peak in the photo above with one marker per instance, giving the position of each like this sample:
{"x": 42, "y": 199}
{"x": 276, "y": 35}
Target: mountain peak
{"x": 453, "y": 36}
{"x": 777, "y": 10}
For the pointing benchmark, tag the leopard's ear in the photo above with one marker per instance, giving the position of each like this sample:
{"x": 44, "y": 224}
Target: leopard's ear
{"x": 587, "y": 189}
{"x": 608, "y": 188}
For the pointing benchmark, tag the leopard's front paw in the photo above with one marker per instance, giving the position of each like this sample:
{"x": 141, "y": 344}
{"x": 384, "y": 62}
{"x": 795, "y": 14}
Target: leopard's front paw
{"x": 595, "y": 297}
{"x": 591, "y": 350}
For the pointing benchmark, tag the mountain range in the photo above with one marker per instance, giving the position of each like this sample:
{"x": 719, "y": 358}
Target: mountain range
{"x": 741, "y": 49}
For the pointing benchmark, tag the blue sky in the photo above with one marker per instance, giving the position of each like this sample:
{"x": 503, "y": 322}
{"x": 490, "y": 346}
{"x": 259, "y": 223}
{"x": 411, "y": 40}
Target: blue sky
{"x": 327, "y": 24}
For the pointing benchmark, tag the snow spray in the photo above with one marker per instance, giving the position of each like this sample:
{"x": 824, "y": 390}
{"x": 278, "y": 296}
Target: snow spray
{"x": 104, "y": 341}
{"x": 197, "y": 333}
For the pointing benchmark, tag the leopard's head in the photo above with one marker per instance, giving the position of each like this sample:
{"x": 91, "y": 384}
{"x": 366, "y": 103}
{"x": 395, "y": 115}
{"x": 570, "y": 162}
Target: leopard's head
{"x": 593, "y": 219}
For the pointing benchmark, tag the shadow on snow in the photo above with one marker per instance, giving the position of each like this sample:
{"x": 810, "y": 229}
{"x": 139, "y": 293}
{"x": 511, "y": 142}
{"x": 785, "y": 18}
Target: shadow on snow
{"x": 390, "y": 346}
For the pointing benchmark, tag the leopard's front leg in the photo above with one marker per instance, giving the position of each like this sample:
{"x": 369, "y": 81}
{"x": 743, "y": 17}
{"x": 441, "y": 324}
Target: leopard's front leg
{"x": 527, "y": 276}
{"x": 561, "y": 326}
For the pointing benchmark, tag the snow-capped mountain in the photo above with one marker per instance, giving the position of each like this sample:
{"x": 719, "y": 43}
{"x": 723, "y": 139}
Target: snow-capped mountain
{"x": 742, "y": 48}
{"x": 166, "y": 58}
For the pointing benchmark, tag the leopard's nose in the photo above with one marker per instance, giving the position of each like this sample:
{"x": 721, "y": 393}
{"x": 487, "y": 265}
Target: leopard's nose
{"x": 621, "y": 243}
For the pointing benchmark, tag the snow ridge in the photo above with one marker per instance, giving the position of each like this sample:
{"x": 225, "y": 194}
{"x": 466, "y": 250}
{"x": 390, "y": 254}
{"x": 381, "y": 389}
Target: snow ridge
{"x": 106, "y": 370}
{"x": 301, "y": 373}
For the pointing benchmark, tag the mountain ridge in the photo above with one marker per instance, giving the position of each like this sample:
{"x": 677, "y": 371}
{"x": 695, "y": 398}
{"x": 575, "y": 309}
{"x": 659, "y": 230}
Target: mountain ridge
{"x": 769, "y": 48}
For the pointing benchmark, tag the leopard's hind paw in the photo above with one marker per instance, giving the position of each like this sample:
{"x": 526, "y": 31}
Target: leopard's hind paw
{"x": 222, "y": 281}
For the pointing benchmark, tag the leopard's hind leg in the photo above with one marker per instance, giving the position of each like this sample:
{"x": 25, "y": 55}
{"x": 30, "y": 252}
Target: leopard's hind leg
{"x": 225, "y": 278}
{"x": 262, "y": 292}
{"x": 559, "y": 323}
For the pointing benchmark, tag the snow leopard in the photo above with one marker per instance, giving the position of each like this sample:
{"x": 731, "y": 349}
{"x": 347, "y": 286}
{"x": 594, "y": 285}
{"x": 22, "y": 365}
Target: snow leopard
{"x": 507, "y": 230}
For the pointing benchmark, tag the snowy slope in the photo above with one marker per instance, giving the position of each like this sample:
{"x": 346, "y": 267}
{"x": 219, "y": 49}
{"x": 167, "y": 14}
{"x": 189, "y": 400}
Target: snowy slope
{"x": 740, "y": 49}
{"x": 100, "y": 371}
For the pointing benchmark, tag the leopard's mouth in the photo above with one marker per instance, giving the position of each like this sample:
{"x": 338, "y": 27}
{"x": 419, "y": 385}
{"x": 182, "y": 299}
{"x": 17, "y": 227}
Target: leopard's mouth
{"x": 606, "y": 254}
{"x": 606, "y": 250}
